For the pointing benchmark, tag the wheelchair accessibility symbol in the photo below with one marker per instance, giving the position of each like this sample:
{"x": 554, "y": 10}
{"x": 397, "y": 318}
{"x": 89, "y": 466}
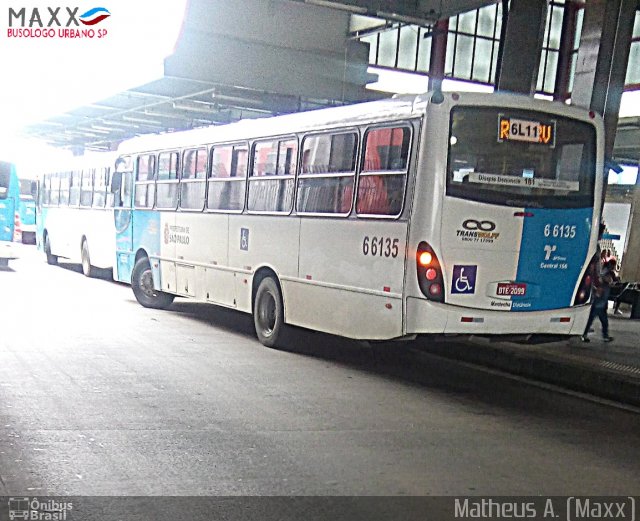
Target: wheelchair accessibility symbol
{"x": 464, "y": 279}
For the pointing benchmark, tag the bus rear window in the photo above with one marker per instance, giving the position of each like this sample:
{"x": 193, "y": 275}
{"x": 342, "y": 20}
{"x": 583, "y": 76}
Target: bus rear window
{"x": 521, "y": 158}
{"x": 5, "y": 177}
{"x": 25, "y": 189}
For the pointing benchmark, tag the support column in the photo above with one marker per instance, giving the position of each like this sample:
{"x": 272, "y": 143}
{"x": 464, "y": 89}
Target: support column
{"x": 631, "y": 256}
{"x": 522, "y": 46}
{"x": 567, "y": 37}
{"x": 438, "y": 53}
{"x": 602, "y": 60}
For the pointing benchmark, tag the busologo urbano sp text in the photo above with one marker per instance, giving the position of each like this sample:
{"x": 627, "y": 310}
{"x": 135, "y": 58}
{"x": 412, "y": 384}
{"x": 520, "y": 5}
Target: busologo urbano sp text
{"x": 56, "y": 22}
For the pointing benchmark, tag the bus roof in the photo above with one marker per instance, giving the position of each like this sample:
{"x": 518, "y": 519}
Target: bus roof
{"x": 398, "y": 107}
{"x": 92, "y": 160}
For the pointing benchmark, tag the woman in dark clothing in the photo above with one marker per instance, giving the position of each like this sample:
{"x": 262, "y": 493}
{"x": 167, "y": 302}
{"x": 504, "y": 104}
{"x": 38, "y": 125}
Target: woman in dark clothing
{"x": 602, "y": 289}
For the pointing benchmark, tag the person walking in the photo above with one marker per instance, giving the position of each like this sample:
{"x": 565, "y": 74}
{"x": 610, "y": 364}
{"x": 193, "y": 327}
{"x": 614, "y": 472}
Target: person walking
{"x": 600, "y": 302}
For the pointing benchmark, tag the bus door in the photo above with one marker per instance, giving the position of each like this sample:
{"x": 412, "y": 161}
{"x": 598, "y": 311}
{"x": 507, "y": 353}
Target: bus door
{"x": 122, "y": 189}
{"x": 7, "y": 201}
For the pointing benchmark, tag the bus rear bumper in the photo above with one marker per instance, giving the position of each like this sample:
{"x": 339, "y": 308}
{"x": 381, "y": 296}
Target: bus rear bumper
{"x": 28, "y": 228}
{"x": 425, "y": 317}
{"x": 8, "y": 250}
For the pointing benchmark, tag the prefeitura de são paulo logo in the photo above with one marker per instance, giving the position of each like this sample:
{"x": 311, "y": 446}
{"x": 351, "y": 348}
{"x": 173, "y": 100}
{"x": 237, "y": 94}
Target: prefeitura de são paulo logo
{"x": 56, "y": 22}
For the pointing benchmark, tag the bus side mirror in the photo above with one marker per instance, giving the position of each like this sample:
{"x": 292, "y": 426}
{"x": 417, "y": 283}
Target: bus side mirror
{"x": 116, "y": 182}
{"x": 34, "y": 189}
{"x": 610, "y": 164}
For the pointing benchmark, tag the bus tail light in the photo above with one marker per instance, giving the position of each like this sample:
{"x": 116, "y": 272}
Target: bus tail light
{"x": 429, "y": 270}
{"x": 17, "y": 228}
{"x": 584, "y": 289}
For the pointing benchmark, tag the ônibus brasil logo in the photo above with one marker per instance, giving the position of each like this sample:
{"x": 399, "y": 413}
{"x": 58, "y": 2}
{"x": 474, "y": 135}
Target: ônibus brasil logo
{"x": 56, "y": 22}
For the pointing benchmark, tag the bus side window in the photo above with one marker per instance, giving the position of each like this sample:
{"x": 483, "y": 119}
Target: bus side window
{"x": 227, "y": 178}
{"x": 74, "y": 189}
{"x": 193, "y": 179}
{"x": 86, "y": 188}
{"x": 46, "y": 190}
{"x": 271, "y": 180}
{"x": 167, "y": 180}
{"x": 100, "y": 187}
{"x": 65, "y": 179}
{"x": 144, "y": 193}
{"x": 325, "y": 183}
{"x": 54, "y": 198}
{"x": 383, "y": 175}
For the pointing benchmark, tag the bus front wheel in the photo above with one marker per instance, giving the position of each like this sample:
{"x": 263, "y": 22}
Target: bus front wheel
{"x": 268, "y": 313}
{"x": 51, "y": 259}
{"x": 142, "y": 285}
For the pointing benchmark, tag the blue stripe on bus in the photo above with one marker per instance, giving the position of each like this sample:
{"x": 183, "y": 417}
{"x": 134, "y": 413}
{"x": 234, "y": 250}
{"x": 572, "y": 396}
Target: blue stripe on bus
{"x": 141, "y": 226}
{"x": 146, "y": 231}
{"x": 553, "y": 252}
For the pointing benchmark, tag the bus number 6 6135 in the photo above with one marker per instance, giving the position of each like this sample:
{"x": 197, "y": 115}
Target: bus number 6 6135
{"x": 380, "y": 246}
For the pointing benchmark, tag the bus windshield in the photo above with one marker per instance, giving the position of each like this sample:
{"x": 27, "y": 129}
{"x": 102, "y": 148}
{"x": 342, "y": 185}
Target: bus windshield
{"x": 520, "y": 158}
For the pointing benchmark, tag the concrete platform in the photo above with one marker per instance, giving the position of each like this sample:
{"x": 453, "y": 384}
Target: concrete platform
{"x": 607, "y": 370}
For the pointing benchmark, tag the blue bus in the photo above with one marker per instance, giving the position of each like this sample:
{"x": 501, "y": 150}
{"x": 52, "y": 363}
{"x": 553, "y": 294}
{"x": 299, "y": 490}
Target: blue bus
{"x": 9, "y": 201}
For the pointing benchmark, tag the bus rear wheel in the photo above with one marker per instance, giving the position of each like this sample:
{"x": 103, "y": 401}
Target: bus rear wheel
{"x": 51, "y": 259}
{"x": 268, "y": 313}
{"x": 142, "y": 285}
{"x": 87, "y": 268}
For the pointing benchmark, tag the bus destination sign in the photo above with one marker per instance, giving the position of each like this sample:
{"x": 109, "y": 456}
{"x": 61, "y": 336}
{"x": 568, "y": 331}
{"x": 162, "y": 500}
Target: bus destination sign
{"x": 512, "y": 129}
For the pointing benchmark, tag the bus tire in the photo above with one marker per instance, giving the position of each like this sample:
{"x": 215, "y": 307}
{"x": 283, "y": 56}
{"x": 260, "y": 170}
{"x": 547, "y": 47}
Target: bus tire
{"x": 142, "y": 286}
{"x": 268, "y": 313}
{"x": 87, "y": 268}
{"x": 51, "y": 259}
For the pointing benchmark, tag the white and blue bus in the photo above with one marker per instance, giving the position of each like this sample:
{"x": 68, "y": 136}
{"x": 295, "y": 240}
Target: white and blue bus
{"x": 75, "y": 213}
{"x": 472, "y": 214}
{"x": 9, "y": 208}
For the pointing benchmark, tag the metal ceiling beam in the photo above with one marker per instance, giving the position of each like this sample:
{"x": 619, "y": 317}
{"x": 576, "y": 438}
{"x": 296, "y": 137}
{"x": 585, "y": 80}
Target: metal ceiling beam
{"x": 420, "y": 12}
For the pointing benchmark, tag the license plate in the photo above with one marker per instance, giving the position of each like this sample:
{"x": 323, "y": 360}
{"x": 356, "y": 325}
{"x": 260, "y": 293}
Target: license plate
{"x": 511, "y": 289}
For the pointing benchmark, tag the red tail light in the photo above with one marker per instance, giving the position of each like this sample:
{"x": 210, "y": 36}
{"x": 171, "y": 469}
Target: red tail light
{"x": 17, "y": 227}
{"x": 429, "y": 271}
{"x": 584, "y": 289}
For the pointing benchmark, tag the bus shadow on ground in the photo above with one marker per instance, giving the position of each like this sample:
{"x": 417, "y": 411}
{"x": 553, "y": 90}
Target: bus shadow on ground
{"x": 296, "y": 340}
{"x": 401, "y": 361}
{"x": 405, "y": 363}
{"x": 102, "y": 274}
